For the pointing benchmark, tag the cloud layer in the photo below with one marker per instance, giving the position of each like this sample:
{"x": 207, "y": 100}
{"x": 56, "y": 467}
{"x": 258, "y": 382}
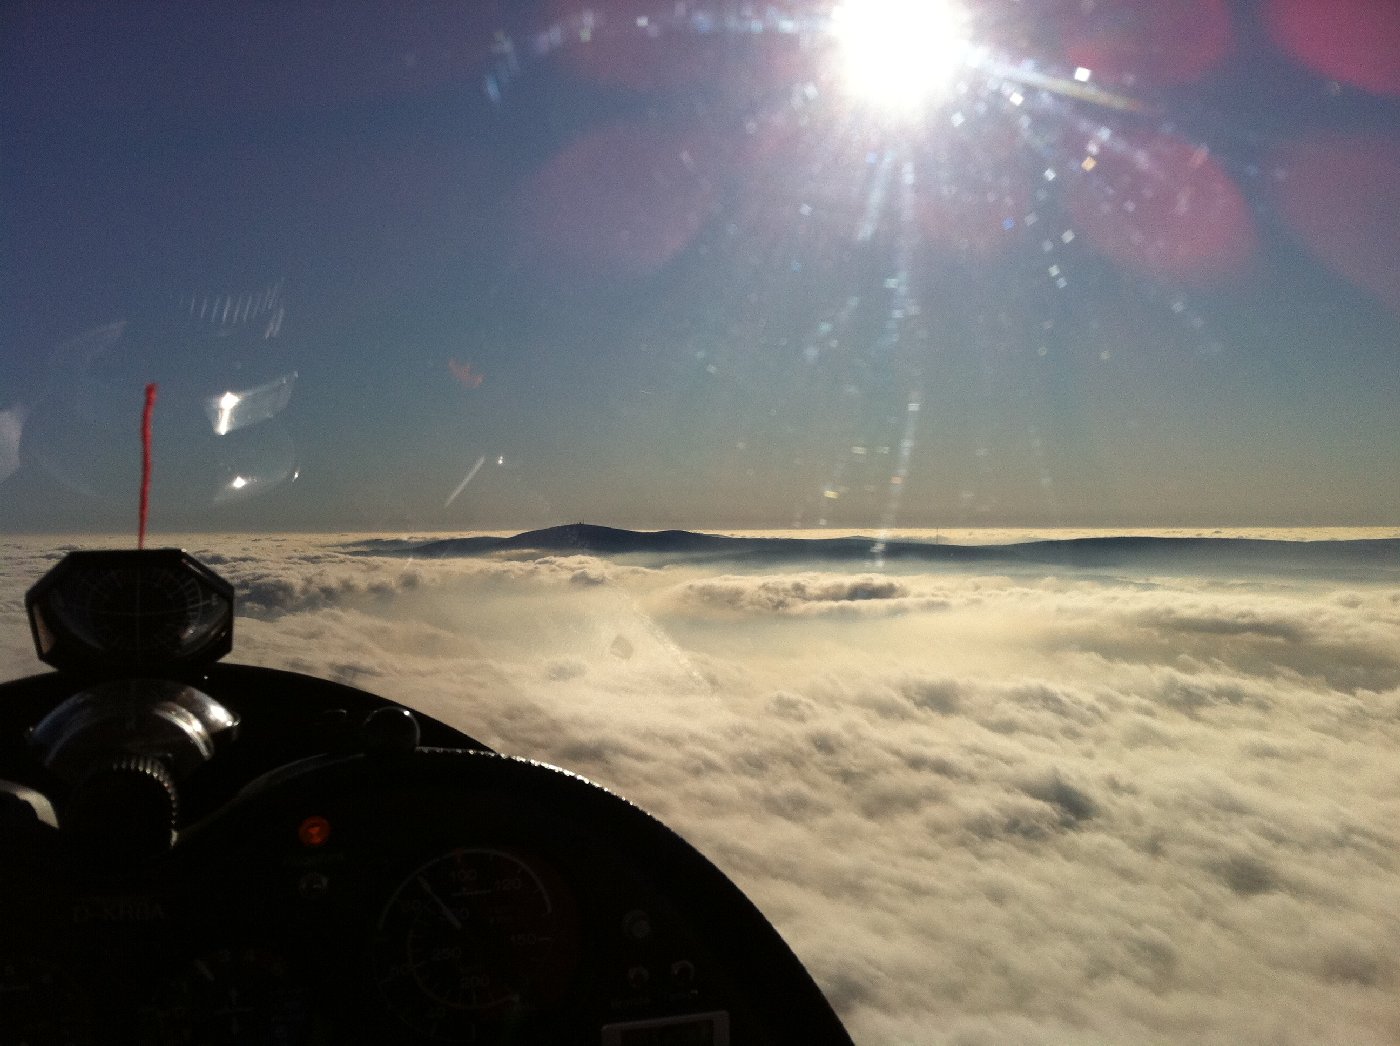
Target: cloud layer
{"x": 1037, "y": 807}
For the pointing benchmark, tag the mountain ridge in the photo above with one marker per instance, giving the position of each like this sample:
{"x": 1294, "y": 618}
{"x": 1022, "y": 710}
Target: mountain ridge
{"x": 596, "y": 539}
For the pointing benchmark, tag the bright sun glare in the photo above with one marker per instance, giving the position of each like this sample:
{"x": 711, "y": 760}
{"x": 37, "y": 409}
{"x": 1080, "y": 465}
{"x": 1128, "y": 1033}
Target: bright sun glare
{"x": 899, "y": 54}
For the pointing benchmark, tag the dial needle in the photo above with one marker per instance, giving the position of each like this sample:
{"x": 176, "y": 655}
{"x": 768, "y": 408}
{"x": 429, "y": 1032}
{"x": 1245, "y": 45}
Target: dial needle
{"x": 446, "y": 911}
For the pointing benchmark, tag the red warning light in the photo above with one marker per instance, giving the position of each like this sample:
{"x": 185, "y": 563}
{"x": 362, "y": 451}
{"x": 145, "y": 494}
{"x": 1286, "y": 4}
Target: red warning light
{"x": 314, "y": 831}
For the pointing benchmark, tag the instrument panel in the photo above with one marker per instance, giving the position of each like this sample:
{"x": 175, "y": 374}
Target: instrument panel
{"x": 444, "y": 896}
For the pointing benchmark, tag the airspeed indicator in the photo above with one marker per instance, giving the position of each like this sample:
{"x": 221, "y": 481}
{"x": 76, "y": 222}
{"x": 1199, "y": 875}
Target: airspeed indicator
{"x": 472, "y": 940}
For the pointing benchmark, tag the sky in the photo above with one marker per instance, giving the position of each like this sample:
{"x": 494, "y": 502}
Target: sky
{"x": 1130, "y": 804}
{"x": 708, "y": 265}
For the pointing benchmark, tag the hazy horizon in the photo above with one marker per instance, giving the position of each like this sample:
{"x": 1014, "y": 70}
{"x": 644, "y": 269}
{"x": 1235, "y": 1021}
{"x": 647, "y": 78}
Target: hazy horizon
{"x": 990, "y": 534}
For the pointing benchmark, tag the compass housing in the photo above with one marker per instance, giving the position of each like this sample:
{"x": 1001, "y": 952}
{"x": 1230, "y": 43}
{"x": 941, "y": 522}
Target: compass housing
{"x": 130, "y": 611}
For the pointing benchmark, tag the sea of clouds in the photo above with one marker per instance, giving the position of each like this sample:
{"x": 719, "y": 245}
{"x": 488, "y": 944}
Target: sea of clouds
{"x": 1044, "y": 805}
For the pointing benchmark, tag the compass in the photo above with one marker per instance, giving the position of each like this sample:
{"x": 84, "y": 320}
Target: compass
{"x": 130, "y": 610}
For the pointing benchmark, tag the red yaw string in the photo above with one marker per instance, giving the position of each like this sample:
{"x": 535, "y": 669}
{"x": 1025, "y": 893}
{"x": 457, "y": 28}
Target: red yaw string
{"x": 146, "y": 462}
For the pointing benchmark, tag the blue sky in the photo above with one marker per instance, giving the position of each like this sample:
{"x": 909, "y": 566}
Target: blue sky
{"x": 672, "y": 271}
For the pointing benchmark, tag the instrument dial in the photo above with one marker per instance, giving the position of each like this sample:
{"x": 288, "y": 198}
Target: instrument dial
{"x": 473, "y": 940}
{"x": 231, "y": 995}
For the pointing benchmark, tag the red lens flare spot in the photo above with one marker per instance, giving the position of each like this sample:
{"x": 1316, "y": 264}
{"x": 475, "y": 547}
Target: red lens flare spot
{"x": 1160, "y": 43}
{"x": 1165, "y": 207}
{"x": 466, "y": 377}
{"x": 1341, "y": 195}
{"x": 620, "y": 202}
{"x": 314, "y": 831}
{"x": 1354, "y": 41}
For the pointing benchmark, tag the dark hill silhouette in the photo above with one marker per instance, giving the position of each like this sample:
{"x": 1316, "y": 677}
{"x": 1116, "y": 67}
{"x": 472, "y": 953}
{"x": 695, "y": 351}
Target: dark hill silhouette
{"x": 599, "y": 540}
{"x": 685, "y": 545}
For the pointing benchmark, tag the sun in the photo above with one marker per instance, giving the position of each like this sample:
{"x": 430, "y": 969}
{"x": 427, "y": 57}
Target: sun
{"x": 900, "y": 54}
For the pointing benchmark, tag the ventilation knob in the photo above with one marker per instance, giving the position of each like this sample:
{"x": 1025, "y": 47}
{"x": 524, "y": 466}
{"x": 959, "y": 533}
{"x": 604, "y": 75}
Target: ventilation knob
{"x": 125, "y": 809}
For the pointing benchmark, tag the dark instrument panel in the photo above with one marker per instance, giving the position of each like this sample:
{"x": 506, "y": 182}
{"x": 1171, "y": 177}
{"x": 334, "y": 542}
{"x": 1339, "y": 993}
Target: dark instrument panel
{"x": 332, "y": 881}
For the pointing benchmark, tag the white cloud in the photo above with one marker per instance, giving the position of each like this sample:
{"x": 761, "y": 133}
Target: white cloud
{"x": 984, "y": 808}
{"x": 806, "y": 592}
